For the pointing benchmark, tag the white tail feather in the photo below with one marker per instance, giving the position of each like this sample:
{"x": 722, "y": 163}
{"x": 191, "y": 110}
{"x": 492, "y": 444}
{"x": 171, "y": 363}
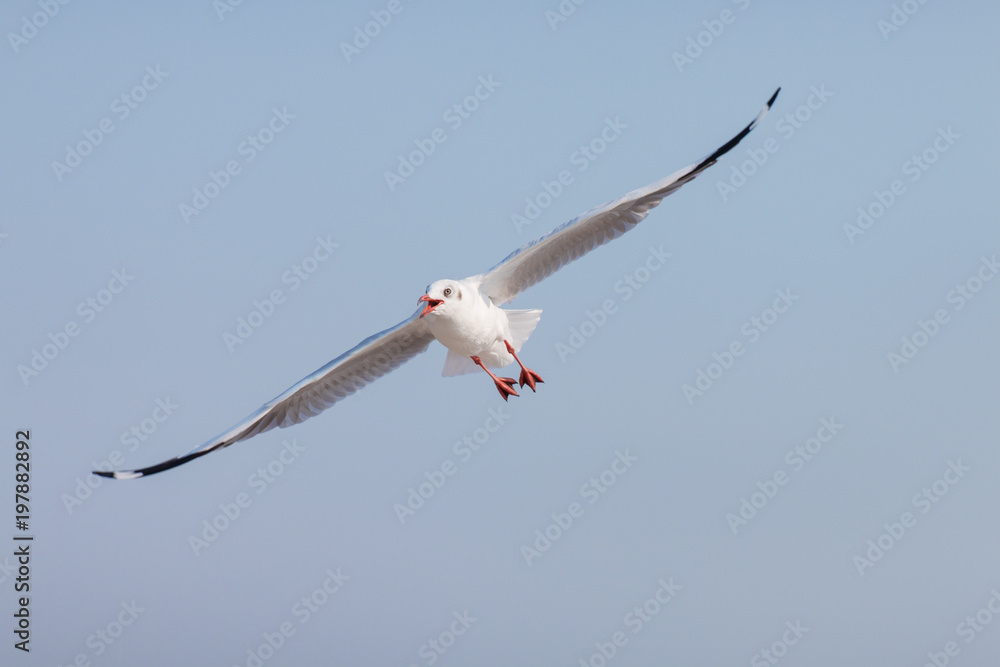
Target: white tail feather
{"x": 456, "y": 364}
{"x": 521, "y": 324}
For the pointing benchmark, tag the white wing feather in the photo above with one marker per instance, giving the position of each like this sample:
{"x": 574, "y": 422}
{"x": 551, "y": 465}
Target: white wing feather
{"x": 547, "y": 254}
{"x": 371, "y": 359}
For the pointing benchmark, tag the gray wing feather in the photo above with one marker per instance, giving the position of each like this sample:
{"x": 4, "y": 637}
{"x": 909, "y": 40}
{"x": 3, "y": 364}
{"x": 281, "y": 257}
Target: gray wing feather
{"x": 371, "y": 359}
{"x": 545, "y": 255}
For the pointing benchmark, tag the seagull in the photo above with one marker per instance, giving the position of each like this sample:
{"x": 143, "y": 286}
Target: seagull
{"x": 463, "y": 315}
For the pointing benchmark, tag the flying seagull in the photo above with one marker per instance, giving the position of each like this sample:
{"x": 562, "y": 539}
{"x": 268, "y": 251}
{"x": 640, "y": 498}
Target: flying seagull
{"x": 463, "y": 315}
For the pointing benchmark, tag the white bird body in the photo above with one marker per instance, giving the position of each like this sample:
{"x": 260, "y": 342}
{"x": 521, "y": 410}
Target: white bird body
{"x": 469, "y": 324}
{"x": 464, "y": 315}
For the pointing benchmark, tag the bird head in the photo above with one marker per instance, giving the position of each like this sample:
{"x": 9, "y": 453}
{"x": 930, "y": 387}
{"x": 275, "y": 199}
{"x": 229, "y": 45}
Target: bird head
{"x": 441, "y": 297}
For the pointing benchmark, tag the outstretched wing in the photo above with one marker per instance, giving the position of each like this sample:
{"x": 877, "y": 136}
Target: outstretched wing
{"x": 547, "y": 254}
{"x": 371, "y": 359}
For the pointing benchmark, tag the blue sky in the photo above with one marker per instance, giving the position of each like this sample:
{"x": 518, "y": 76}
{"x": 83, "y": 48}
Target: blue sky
{"x": 823, "y": 490}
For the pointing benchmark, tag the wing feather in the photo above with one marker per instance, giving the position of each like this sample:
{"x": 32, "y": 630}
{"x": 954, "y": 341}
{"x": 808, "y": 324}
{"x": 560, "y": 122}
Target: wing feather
{"x": 369, "y": 360}
{"x": 542, "y": 257}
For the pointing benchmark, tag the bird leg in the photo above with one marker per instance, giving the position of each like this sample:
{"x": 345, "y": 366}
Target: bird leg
{"x": 504, "y": 385}
{"x": 528, "y": 376}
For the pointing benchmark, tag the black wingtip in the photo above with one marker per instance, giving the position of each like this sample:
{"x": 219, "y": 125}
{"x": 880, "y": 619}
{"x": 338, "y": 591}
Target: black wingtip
{"x": 729, "y": 145}
{"x": 773, "y": 97}
{"x": 152, "y": 470}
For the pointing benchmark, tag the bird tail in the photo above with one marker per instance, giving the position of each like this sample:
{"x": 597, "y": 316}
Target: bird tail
{"x": 521, "y": 323}
{"x": 456, "y": 364}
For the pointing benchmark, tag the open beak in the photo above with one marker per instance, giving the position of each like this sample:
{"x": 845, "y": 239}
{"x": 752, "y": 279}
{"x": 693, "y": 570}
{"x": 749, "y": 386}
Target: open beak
{"x": 431, "y": 304}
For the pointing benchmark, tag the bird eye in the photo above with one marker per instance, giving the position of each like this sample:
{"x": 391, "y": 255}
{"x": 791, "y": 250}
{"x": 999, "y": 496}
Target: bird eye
{"x": 447, "y": 291}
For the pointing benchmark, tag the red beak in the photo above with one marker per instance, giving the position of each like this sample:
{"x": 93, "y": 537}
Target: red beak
{"x": 431, "y": 304}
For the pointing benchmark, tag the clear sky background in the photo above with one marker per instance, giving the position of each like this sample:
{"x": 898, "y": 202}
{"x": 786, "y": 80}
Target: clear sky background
{"x": 859, "y": 100}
